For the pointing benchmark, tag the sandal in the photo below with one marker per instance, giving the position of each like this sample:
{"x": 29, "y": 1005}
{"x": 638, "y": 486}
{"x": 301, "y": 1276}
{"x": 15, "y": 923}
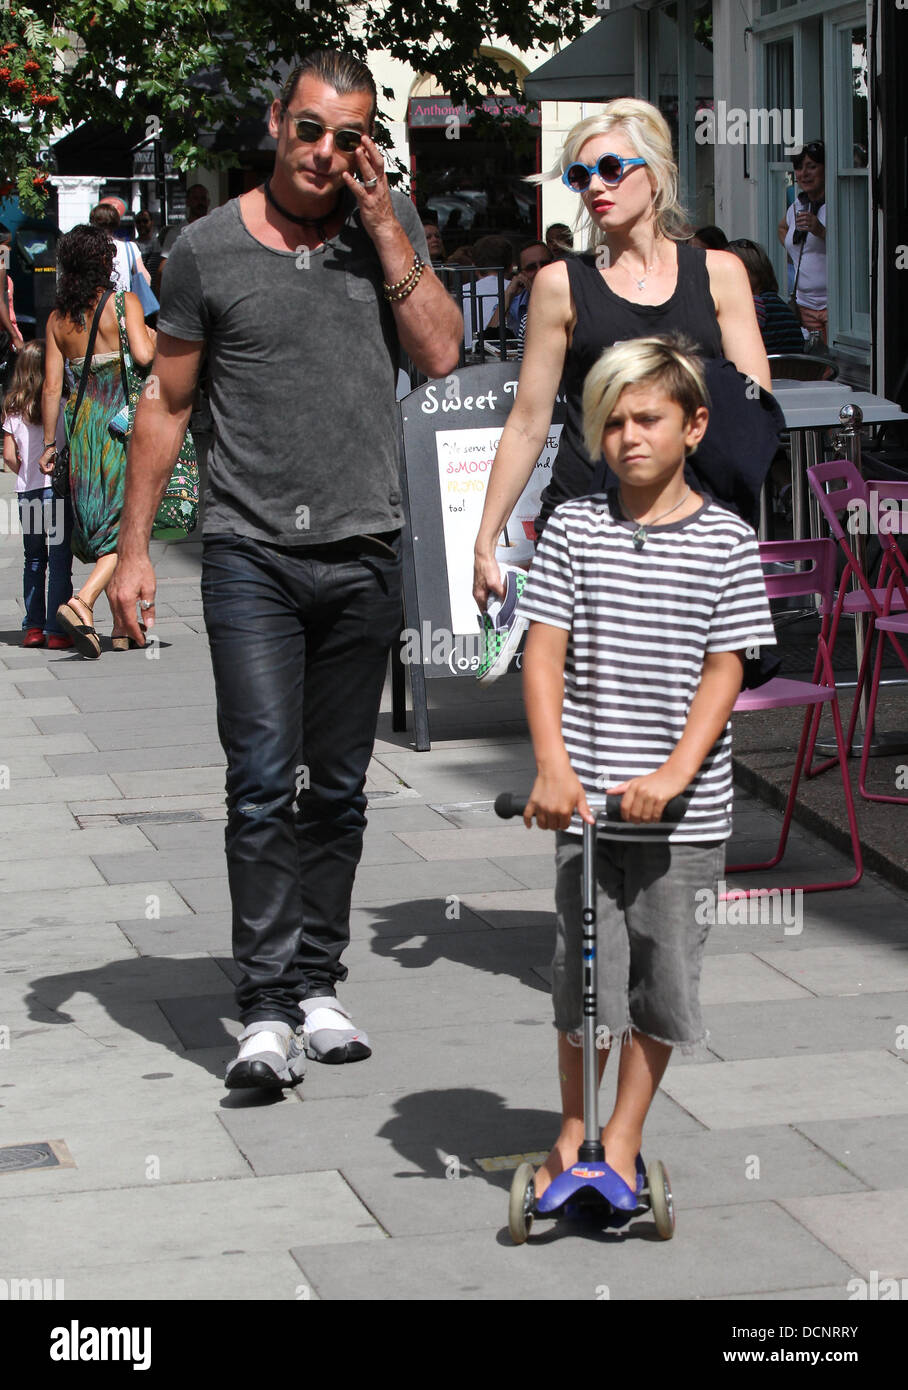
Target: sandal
{"x": 85, "y": 639}
{"x": 121, "y": 643}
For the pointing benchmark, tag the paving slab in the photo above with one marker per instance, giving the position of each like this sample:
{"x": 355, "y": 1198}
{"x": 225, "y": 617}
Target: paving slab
{"x": 843, "y": 970}
{"x": 146, "y": 1154}
{"x": 254, "y": 1214}
{"x": 394, "y": 1130}
{"x": 868, "y": 1230}
{"x": 513, "y": 908}
{"x": 560, "y": 1264}
{"x": 166, "y": 936}
{"x": 149, "y": 805}
{"x": 459, "y": 876}
{"x": 478, "y": 844}
{"x": 532, "y": 870}
{"x": 784, "y": 1028}
{"x": 728, "y": 979}
{"x": 422, "y": 917}
{"x": 163, "y": 758}
{"x": 119, "y": 693}
{"x": 118, "y": 728}
{"x": 54, "y": 816}
{"x": 791, "y": 1090}
{"x": 126, "y": 982}
{"x": 46, "y": 744}
{"x": 72, "y": 841}
{"x": 69, "y": 789}
{"x": 18, "y": 728}
{"x": 36, "y": 706}
{"x": 200, "y": 861}
{"x": 871, "y": 1148}
{"x": 273, "y": 1277}
{"x": 25, "y": 875}
{"x": 178, "y": 781}
{"x": 408, "y": 816}
{"x": 107, "y": 903}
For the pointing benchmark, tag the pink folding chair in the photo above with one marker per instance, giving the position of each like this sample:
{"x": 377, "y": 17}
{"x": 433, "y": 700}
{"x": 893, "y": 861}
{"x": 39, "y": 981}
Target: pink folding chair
{"x": 854, "y": 496}
{"x": 885, "y": 627}
{"x": 782, "y": 693}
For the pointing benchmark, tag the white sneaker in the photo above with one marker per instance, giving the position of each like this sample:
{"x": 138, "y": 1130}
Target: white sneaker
{"x": 270, "y": 1057}
{"x": 329, "y": 1034}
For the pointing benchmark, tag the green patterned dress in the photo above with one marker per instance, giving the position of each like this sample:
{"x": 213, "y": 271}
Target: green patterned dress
{"x": 97, "y": 461}
{"x": 97, "y": 467}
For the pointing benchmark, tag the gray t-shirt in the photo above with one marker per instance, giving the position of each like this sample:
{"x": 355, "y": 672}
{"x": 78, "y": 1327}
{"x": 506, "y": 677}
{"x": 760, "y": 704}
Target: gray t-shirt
{"x": 302, "y": 365}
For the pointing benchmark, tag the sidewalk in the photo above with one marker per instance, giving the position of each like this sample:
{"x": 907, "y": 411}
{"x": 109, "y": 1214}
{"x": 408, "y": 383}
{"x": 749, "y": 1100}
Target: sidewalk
{"x": 388, "y": 1179}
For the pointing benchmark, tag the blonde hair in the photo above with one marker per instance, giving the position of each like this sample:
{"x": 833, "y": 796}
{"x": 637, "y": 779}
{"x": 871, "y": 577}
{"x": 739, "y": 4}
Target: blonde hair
{"x": 668, "y": 362}
{"x": 648, "y": 134}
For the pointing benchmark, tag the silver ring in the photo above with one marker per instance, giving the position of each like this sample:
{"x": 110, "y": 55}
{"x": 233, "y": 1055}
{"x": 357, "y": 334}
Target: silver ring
{"x": 145, "y": 603}
{"x": 370, "y": 183}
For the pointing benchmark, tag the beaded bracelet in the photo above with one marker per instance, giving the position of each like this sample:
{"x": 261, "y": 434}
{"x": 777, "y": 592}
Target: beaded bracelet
{"x": 395, "y": 298}
{"x": 417, "y": 263}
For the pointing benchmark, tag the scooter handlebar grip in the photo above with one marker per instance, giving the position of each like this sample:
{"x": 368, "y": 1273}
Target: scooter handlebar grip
{"x": 674, "y": 810}
{"x": 510, "y": 804}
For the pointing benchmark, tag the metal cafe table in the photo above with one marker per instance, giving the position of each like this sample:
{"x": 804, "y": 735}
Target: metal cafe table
{"x": 809, "y": 408}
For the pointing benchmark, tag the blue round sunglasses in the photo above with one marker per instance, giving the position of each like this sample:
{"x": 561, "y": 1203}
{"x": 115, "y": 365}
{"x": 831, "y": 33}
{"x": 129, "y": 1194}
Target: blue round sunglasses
{"x": 611, "y": 168}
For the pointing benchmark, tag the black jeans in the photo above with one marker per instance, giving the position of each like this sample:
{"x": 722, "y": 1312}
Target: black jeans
{"x": 299, "y": 645}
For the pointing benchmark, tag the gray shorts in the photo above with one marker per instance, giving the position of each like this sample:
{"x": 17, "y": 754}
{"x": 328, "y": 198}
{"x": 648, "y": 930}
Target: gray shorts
{"x": 649, "y": 941}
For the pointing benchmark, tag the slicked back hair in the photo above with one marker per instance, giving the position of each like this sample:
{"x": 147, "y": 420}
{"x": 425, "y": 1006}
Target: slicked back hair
{"x": 341, "y": 71}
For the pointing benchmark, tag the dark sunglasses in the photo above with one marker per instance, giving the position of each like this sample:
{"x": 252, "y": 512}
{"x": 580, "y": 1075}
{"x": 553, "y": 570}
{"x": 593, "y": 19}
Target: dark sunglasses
{"x": 611, "y": 168}
{"x": 815, "y": 151}
{"x": 310, "y": 132}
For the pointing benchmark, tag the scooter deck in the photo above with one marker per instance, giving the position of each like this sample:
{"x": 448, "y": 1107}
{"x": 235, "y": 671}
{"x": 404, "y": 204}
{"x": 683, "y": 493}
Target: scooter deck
{"x": 594, "y": 1178}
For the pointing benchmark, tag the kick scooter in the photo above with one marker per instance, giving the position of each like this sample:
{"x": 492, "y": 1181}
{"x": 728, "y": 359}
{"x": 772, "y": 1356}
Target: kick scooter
{"x": 590, "y": 1184}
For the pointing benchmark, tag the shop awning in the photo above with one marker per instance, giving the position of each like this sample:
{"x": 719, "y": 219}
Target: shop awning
{"x": 601, "y": 63}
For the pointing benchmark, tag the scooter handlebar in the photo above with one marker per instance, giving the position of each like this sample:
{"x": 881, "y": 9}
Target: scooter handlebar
{"x": 510, "y": 804}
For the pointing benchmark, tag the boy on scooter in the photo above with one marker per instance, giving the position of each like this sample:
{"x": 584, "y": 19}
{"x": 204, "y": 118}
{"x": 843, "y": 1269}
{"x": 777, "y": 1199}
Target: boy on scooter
{"x": 642, "y": 602}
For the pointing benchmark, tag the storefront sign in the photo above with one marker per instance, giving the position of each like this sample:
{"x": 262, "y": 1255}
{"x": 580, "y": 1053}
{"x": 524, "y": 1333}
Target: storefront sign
{"x": 439, "y": 111}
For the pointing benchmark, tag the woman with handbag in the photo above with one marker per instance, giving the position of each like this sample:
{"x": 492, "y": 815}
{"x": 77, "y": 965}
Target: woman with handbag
{"x": 84, "y": 330}
{"x": 638, "y": 278}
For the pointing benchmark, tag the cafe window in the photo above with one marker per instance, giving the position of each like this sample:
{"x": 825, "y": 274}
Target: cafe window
{"x": 469, "y": 169}
{"x": 847, "y": 182}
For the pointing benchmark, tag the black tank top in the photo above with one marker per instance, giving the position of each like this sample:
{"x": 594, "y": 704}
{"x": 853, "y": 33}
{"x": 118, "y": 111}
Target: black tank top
{"x": 604, "y": 318}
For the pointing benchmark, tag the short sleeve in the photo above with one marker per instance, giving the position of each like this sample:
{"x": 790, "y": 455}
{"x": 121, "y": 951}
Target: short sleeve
{"x": 548, "y": 595}
{"x": 741, "y": 617}
{"x": 408, "y": 218}
{"x": 183, "y": 313}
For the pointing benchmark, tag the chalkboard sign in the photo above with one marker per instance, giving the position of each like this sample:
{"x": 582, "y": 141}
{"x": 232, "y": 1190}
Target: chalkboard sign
{"x": 450, "y": 432}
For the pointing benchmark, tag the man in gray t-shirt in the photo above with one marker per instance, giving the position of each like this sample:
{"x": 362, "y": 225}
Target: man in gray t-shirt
{"x": 303, "y": 292}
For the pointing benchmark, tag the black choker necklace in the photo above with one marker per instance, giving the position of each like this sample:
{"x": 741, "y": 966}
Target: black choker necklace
{"x": 317, "y": 222}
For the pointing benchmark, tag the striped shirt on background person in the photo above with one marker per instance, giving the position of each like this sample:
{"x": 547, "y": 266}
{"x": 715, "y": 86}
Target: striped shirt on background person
{"x": 641, "y": 623}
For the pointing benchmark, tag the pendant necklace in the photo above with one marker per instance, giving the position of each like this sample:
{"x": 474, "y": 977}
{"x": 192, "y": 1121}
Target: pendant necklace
{"x": 317, "y": 222}
{"x": 639, "y": 536}
{"x": 647, "y": 270}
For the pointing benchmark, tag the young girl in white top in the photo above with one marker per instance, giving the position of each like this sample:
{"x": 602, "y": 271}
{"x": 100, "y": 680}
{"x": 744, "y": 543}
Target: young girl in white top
{"x": 46, "y": 520}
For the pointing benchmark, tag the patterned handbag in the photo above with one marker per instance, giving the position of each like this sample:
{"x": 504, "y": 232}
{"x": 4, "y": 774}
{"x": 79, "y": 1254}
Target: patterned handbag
{"x": 178, "y": 510}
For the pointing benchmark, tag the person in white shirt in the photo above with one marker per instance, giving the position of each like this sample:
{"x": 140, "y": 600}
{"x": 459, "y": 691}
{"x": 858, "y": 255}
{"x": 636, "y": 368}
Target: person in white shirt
{"x": 107, "y": 217}
{"x": 46, "y": 520}
{"x": 802, "y": 232}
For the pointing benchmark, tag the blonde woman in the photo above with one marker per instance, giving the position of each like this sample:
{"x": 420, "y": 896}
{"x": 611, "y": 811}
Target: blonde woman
{"x": 637, "y": 278}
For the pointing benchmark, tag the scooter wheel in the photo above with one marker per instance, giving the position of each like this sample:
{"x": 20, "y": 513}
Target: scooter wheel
{"x": 522, "y": 1204}
{"x": 660, "y": 1200}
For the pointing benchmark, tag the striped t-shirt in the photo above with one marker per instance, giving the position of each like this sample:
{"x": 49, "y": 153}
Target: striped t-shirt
{"x": 641, "y": 622}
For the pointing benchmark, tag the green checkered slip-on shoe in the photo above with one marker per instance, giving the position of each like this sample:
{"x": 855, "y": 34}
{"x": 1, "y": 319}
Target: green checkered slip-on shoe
{"x": 502, "y": 631}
